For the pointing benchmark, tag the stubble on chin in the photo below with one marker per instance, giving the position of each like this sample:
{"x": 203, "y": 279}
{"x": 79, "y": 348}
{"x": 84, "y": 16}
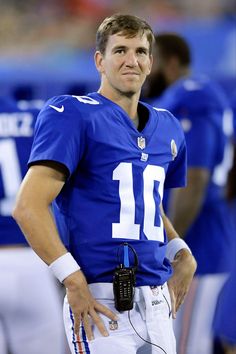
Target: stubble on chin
{"x": 128, "y": 92}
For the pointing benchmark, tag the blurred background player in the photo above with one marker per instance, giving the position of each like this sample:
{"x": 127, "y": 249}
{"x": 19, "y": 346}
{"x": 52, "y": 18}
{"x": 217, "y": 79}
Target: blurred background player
{"x": 199, "y": 212}
{"x": 30, "y": 306}
{"x": 224, "y": 325}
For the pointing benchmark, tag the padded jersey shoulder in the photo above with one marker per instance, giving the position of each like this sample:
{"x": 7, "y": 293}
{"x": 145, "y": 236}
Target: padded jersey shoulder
{"x": 167, "y": 118}
{"x": 67, "y": 103}
{"x": 72, "y": 108}
{"x": 68, "y": 111}
{"x": 199, "y": 94}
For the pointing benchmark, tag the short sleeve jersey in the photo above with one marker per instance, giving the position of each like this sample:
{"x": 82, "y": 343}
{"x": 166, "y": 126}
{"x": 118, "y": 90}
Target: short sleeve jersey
{"x": 16, "y": 137}
{"x": 116, "y": 180}
{"x": 203, "y": 110}
{"x": 224, "y": 324}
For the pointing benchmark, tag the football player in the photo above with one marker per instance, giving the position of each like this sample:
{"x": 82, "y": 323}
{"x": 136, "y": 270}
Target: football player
{"x": 103, "y": 160}
{"x": 199, "y": 212}
{"x": 30, "y": 321}
{"x": 225, "y": 320}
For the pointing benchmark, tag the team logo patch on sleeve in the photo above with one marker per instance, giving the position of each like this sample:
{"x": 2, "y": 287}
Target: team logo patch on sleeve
{"x": 174, "y": 149}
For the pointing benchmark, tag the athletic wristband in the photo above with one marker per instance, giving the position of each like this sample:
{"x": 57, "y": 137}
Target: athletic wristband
{"x": 64, "y": 266}
{"x": 174, "y": 246}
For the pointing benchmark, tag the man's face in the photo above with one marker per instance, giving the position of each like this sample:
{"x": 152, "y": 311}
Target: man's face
{"x": 125, "y": 63}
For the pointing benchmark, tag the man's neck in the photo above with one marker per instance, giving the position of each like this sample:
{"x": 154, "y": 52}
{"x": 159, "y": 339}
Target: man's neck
{"x": 129, "y": 103}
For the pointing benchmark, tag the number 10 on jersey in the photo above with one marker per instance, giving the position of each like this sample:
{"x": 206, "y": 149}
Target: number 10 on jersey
{"x": 127, "y": 228}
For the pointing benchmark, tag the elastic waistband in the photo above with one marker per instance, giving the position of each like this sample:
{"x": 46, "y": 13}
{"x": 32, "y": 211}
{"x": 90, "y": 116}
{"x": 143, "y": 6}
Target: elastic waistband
{"x": 105, "y": 291}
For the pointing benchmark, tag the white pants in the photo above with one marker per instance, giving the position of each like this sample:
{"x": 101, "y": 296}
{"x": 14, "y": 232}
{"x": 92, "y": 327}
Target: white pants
{"x": 193, "y": 325}
{"x": 150, "y": 317}
{"x": 30, "y": 307}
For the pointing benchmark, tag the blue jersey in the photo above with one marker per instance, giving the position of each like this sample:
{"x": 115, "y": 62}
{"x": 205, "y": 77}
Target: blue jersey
{"x": 116, "y": 180}
{"x": 224, "y": 324}
{"x": 203, "y": 110}
{"x": 16, "y": 137}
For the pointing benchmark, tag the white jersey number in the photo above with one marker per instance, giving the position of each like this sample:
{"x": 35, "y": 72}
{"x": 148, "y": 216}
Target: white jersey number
{"x": 11, "y": 175}
{"x": 221, "y": 171}
{"x": 86, "y": 99}
{"x": 127, "y": 228}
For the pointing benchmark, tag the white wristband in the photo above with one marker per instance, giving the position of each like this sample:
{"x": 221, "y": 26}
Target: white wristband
{"x": 174, "y": 246}
{"x": 64, "y": 266}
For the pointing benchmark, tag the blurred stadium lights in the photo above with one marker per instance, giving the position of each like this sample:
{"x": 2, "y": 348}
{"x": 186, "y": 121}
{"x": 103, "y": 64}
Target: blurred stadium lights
{"x": 47, "y": 47}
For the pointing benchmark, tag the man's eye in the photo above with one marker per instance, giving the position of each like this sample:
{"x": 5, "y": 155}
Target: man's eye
{"x": 142, "y": 51}
{"x": 120, "y": 51}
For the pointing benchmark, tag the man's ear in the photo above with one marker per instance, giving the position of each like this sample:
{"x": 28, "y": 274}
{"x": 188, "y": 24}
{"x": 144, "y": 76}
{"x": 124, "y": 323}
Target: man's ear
{"x": 151, "y": 63}
{"x": 98, "y": 59}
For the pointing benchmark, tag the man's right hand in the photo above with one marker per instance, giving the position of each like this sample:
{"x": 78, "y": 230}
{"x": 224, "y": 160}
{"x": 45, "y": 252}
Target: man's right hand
{"x": 84, "y": 307}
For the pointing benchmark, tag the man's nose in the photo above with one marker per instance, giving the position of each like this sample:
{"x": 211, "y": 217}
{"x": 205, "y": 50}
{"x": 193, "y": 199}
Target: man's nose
{"x": 131, "y": 59}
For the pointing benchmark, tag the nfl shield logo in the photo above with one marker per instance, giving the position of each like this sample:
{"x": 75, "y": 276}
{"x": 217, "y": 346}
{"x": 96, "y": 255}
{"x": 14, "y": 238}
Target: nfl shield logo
{"x": 141, "y": 142}
{"x": 155, "y": 290}
{"x": 113, "y": 325}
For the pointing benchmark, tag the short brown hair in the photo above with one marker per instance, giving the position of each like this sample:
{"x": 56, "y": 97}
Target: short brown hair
{"x": 127, "y": 25}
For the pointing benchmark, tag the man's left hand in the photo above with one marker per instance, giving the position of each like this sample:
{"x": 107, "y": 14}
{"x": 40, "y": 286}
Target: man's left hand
{"x": 184, "y": 267}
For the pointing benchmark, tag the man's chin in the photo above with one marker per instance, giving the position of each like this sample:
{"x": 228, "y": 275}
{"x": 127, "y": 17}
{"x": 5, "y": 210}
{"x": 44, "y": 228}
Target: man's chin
{"x": 130, "y": 91}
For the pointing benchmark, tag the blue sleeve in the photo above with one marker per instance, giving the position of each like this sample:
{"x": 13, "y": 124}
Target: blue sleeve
{"x": 177, "y": 170}
{"x": 58, "y": 134}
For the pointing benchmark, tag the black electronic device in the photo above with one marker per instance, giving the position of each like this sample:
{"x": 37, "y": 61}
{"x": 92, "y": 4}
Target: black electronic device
{"x": 124, "y": 279}
{"x": 123, "y": 288}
